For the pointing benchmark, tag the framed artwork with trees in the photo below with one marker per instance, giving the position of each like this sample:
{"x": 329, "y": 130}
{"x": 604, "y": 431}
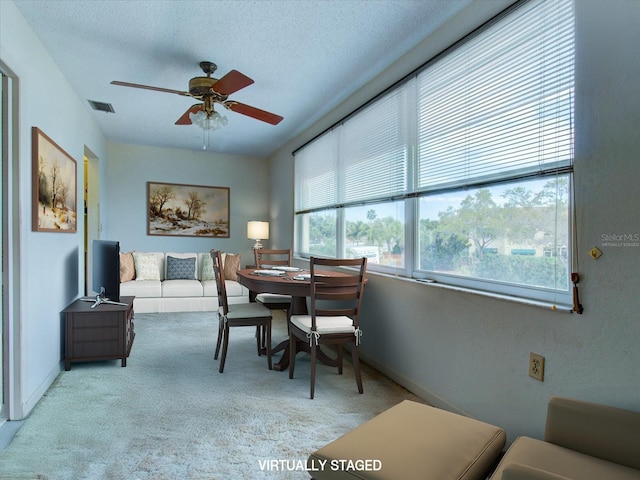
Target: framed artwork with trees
{"x": 54, "y": 190}
{"x": 187, "y": 210}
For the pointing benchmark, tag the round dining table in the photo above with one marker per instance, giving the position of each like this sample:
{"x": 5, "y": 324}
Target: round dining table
{"x": 295, "y": 283}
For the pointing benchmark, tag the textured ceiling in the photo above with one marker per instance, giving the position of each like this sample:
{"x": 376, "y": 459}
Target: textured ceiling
{"x": 305, "y": 56}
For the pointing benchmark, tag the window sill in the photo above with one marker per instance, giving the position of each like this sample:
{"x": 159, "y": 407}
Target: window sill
{"x": 564, "y": 308}
{"x": 509, "y": 298}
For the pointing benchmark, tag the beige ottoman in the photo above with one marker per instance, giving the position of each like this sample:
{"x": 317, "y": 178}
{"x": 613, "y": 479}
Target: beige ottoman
{"x": 411, "y": 441}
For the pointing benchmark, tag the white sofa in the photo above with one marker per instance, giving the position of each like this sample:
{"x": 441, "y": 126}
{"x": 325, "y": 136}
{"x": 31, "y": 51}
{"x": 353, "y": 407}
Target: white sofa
{"x": 155, "y": 292}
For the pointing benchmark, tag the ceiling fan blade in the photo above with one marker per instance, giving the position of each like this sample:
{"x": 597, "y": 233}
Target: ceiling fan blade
{"x": 184, "y": 119}
{"x": 232, "y": 82}
{"x": 253, "y": 112}
{"x": 147, "y": 87}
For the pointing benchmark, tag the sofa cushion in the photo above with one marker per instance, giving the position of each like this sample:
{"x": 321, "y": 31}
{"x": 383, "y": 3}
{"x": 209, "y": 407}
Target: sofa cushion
{"x": 141, "y": 289}
{"x": 562, "y": 461}
{"x": 181, "y": 288}
{"x": 181, "y": 268}
{"x": 234, "y": 289}
{"x": 127, "y": 267}
{"x": 147, "y": 266}
{"x": 209, "y": 288}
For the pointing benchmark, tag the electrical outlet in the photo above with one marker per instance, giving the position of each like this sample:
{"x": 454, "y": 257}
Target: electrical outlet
{"x": 536, "y": 366}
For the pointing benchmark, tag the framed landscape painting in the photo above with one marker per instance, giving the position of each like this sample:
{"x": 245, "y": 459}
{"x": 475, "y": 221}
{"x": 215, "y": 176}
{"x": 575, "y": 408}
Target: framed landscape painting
{"x": 55, "y": 192}
{"x": 187, "y": 210}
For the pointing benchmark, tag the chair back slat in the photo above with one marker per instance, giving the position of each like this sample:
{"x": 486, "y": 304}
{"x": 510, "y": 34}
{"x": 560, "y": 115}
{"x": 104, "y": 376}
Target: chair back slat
{"x": 337, "y": 295}
{"x": 278, "y": 257}
{"x": 218, "y": 271}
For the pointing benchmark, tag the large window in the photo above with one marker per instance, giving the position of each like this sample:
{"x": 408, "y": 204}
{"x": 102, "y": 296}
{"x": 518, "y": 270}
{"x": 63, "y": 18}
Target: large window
{"x": 462, "y": 173}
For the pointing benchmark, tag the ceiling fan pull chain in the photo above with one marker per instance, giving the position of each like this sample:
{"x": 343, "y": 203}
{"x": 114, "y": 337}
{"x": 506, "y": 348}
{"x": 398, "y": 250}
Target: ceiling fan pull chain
{"x": 206, "y": 138}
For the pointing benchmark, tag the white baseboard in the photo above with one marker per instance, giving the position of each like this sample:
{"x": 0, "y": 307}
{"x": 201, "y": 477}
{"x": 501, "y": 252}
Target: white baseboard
{"x": 37, "y": 394}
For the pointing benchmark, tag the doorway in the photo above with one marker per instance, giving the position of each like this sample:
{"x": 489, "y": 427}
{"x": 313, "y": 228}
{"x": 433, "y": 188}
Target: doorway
{"x": 10, "y": 245}
{"x": 92, "y": 225}
{"x": 3, "y": 121}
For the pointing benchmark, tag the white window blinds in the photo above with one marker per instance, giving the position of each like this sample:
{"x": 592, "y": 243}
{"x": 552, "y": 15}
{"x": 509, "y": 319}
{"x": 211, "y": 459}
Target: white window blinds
{"x": 499, "y": 106}
{"x": 373, "y": 147}
{"x": 316, "y": 173}
{"x": 496, "y": 107}
{"x": 363, "y": 159}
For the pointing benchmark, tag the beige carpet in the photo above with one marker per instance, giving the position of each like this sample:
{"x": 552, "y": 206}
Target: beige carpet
{"x": 170, "y": 415}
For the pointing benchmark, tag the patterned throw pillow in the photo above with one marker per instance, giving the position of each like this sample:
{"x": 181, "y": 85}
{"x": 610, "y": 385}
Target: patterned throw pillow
{"x": 127, "y": 267}
{"x": 207, "y": 268}
{"x": 231, "y": 266}
{"x": 181, "y": 268}
{"x": 146, "y": 266}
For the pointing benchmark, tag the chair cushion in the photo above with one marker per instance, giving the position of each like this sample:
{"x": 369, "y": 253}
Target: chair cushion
{"x": 519, "y": 471}
{"x": 412, "y": 441}
{"x": 273, "y": 298}
{"x": 602, "y": 431}
{"x": 246, "y": 310}
{"x": 561, "y": 461}
{"x": 340, "y": 324}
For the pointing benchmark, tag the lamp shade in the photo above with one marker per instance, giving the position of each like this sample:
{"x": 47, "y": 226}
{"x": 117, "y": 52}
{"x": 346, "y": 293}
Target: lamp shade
{"x": 258, "y": 230}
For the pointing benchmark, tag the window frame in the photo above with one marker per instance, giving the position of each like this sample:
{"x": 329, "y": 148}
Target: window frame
{"x": 412, "y": 194}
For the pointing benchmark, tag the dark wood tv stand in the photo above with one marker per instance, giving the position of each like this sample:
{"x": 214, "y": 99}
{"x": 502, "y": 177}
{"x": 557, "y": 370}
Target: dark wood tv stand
{"x": 102, "y": 333}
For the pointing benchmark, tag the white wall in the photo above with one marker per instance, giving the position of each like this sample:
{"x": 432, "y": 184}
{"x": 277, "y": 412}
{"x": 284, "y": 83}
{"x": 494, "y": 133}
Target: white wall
{"x": 50, "y": 267}
{"x": 129, "y": 169}
{"x": 51, "y": 270}
{"x": 469, "y": 353}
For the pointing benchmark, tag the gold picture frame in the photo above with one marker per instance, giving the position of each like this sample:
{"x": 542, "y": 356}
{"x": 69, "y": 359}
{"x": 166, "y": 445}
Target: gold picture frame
{"x": 54, "y": 186}
{"x": 175, "y": 209}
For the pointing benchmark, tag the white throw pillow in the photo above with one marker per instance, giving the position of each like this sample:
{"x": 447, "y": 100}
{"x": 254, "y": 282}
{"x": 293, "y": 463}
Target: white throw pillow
{"x": 207, "y": 268}
{"x": 146, "y": 266}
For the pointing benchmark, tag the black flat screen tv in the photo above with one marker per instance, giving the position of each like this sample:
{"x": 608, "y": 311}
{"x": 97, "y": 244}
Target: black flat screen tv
{"x": 106, "y": 269}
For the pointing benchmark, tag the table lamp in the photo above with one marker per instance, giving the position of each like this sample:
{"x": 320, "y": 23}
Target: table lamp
{"x": 257, "y": 231}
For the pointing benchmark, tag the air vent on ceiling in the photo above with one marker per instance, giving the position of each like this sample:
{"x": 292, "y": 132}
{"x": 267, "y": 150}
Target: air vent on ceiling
{"x": 101, "y": 106}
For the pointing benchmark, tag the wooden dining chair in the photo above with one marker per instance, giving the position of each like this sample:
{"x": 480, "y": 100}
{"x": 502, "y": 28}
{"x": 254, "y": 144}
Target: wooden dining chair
{"x": 265, "y": 258}
{"x": 334, "y": 317}
{"x": 238, "y": 315}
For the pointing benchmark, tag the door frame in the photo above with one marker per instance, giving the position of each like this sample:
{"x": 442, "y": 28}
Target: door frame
{"x": 11, "y": 408}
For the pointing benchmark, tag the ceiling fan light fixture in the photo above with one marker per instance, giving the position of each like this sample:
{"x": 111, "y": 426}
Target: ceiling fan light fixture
{"x": 208, "y": 122}
{"x": 214, "y": 121}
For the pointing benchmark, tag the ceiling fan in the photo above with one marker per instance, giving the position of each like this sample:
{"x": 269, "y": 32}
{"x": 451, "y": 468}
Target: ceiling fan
{"x": 209, "y": 91}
